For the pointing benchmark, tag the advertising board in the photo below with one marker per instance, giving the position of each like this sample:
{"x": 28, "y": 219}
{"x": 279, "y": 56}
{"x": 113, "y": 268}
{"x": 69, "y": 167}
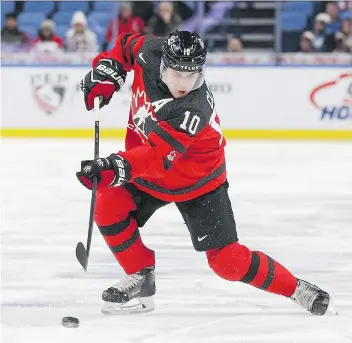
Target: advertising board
{"x": 252, "y": 102}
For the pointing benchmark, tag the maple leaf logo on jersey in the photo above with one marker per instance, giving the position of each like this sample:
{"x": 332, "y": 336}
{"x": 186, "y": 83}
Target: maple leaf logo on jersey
{"x": 143, "y": 112}
{"x": 171, "y": 156}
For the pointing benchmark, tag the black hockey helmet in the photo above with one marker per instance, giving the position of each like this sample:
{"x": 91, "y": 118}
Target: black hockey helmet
{"x": 184, "y": 51}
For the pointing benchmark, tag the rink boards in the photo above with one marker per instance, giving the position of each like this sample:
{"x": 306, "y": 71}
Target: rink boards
{"x": 253, "y": 102}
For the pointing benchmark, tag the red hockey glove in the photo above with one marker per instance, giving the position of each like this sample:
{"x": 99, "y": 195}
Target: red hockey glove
{"x": 110, "y": 171}
{"x": 106, "y": 78}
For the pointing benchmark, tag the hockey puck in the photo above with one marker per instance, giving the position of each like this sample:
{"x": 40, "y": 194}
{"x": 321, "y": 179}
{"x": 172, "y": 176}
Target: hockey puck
{"x": 70, "y": 322}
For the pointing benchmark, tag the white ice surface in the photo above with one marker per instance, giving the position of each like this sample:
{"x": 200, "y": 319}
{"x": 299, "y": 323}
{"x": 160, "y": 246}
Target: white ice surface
{"x": 291, "y": 200}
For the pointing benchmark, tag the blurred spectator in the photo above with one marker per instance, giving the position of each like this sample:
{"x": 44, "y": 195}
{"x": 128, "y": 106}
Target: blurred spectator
{"x": 47, "y": 41}
{"x": 184, "y": 11}
{"x": 143, "y": 9}
{"x": 340, "y": 42}
{"x": 306, "y": 42}
{"x": 11, "y": 34}
{"x": 332, "y": 10}
{"x": 345, "y": 5}
{"x": 346, "y": 34}
{"x": 322, "y": 42}
{"x": 79, "y": 38}
{"x": 165, "y": 20}
{"x": 126, "y": 23}
{"x": 346, "y": 27}
{"x": 234, "y": 45}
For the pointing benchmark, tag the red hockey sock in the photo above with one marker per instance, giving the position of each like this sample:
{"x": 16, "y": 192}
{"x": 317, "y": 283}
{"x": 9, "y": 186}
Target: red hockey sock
{"x": 120, "y": 229}
{"x": 236, "y": 262}
{"x": 124, "y": 241}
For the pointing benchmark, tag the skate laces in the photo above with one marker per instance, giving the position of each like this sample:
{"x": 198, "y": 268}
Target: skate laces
{"x": 304, "y": 295}
{"x": 128, "y": 282}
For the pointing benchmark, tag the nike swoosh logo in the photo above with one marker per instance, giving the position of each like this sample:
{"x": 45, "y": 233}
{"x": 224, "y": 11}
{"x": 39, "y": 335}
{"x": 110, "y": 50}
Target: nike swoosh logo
{"x": 201, "y": 238}
{"x": 141, "y": 57}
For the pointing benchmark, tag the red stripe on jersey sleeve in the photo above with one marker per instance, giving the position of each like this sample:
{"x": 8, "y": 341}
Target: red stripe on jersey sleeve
{"x": 124, "y": 51}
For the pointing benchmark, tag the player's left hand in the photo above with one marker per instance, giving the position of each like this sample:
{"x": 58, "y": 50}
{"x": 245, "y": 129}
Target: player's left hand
{"x": 110, "y": 171}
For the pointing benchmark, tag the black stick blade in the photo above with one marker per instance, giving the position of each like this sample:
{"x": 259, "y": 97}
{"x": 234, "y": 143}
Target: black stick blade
{"x": 81, "y": 254}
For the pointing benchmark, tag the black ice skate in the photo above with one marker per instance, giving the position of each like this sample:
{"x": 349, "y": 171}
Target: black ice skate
{"x": 312, "y": 298}
{"x": 133, "y": 294}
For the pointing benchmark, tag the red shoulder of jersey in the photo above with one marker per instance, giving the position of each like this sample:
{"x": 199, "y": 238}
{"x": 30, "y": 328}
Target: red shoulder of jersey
{"x": 124, "y": 51}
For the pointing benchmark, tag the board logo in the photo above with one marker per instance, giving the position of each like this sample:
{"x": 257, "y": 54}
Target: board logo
{"x": 333, "y": 98}
{"x": 49, "y": 90}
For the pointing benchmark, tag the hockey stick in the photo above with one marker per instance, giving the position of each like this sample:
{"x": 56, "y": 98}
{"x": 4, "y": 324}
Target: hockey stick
{"x": 82, "y": 253}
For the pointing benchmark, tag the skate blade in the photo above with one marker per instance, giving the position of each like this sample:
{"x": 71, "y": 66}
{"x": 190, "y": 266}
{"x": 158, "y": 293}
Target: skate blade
{"x": 134, "y": 306}
{"x": 332, "y": 310}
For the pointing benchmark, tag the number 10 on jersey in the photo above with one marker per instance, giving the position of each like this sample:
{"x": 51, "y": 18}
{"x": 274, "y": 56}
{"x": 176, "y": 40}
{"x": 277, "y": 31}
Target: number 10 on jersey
{"x": 192, "y": 125}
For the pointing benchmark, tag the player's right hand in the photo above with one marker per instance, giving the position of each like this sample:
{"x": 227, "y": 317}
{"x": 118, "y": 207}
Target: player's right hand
{"x": 103, "y": 80}
{"x": 109, "y": 171}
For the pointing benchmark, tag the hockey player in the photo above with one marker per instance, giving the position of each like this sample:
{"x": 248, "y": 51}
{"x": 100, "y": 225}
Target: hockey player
{"x": 174, "y": 153}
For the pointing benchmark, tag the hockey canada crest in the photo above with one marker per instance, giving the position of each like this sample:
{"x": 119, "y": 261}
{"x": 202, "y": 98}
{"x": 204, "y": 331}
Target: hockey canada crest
{"x": 171, "y": 156}
{"x": 49, "y": 90}
{"x": 143, "y": 113}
